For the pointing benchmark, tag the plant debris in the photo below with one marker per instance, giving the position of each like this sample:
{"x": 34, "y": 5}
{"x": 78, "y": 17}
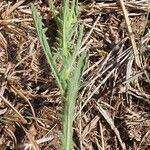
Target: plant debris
{"x": 113, "y": 106}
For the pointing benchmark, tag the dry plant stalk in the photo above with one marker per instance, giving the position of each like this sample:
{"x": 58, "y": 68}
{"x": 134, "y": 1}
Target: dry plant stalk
{"x": 131, "y": 35}
{"x": 24, "y": 121}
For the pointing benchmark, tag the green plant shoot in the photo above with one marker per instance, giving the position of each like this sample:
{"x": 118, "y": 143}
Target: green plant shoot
{"x": 72, "y": 61}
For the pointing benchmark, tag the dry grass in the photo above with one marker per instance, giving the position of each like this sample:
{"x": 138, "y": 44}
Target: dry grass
{"x": 113, "y": 107}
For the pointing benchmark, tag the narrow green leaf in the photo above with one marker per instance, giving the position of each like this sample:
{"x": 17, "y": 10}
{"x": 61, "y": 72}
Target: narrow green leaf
{"x": 79, "y": 40}
{"x": 43, "y": 40}
{"x": 147, "y": 75}
{"x": 133, "y": 78}
{"x": 68, "y": 46}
